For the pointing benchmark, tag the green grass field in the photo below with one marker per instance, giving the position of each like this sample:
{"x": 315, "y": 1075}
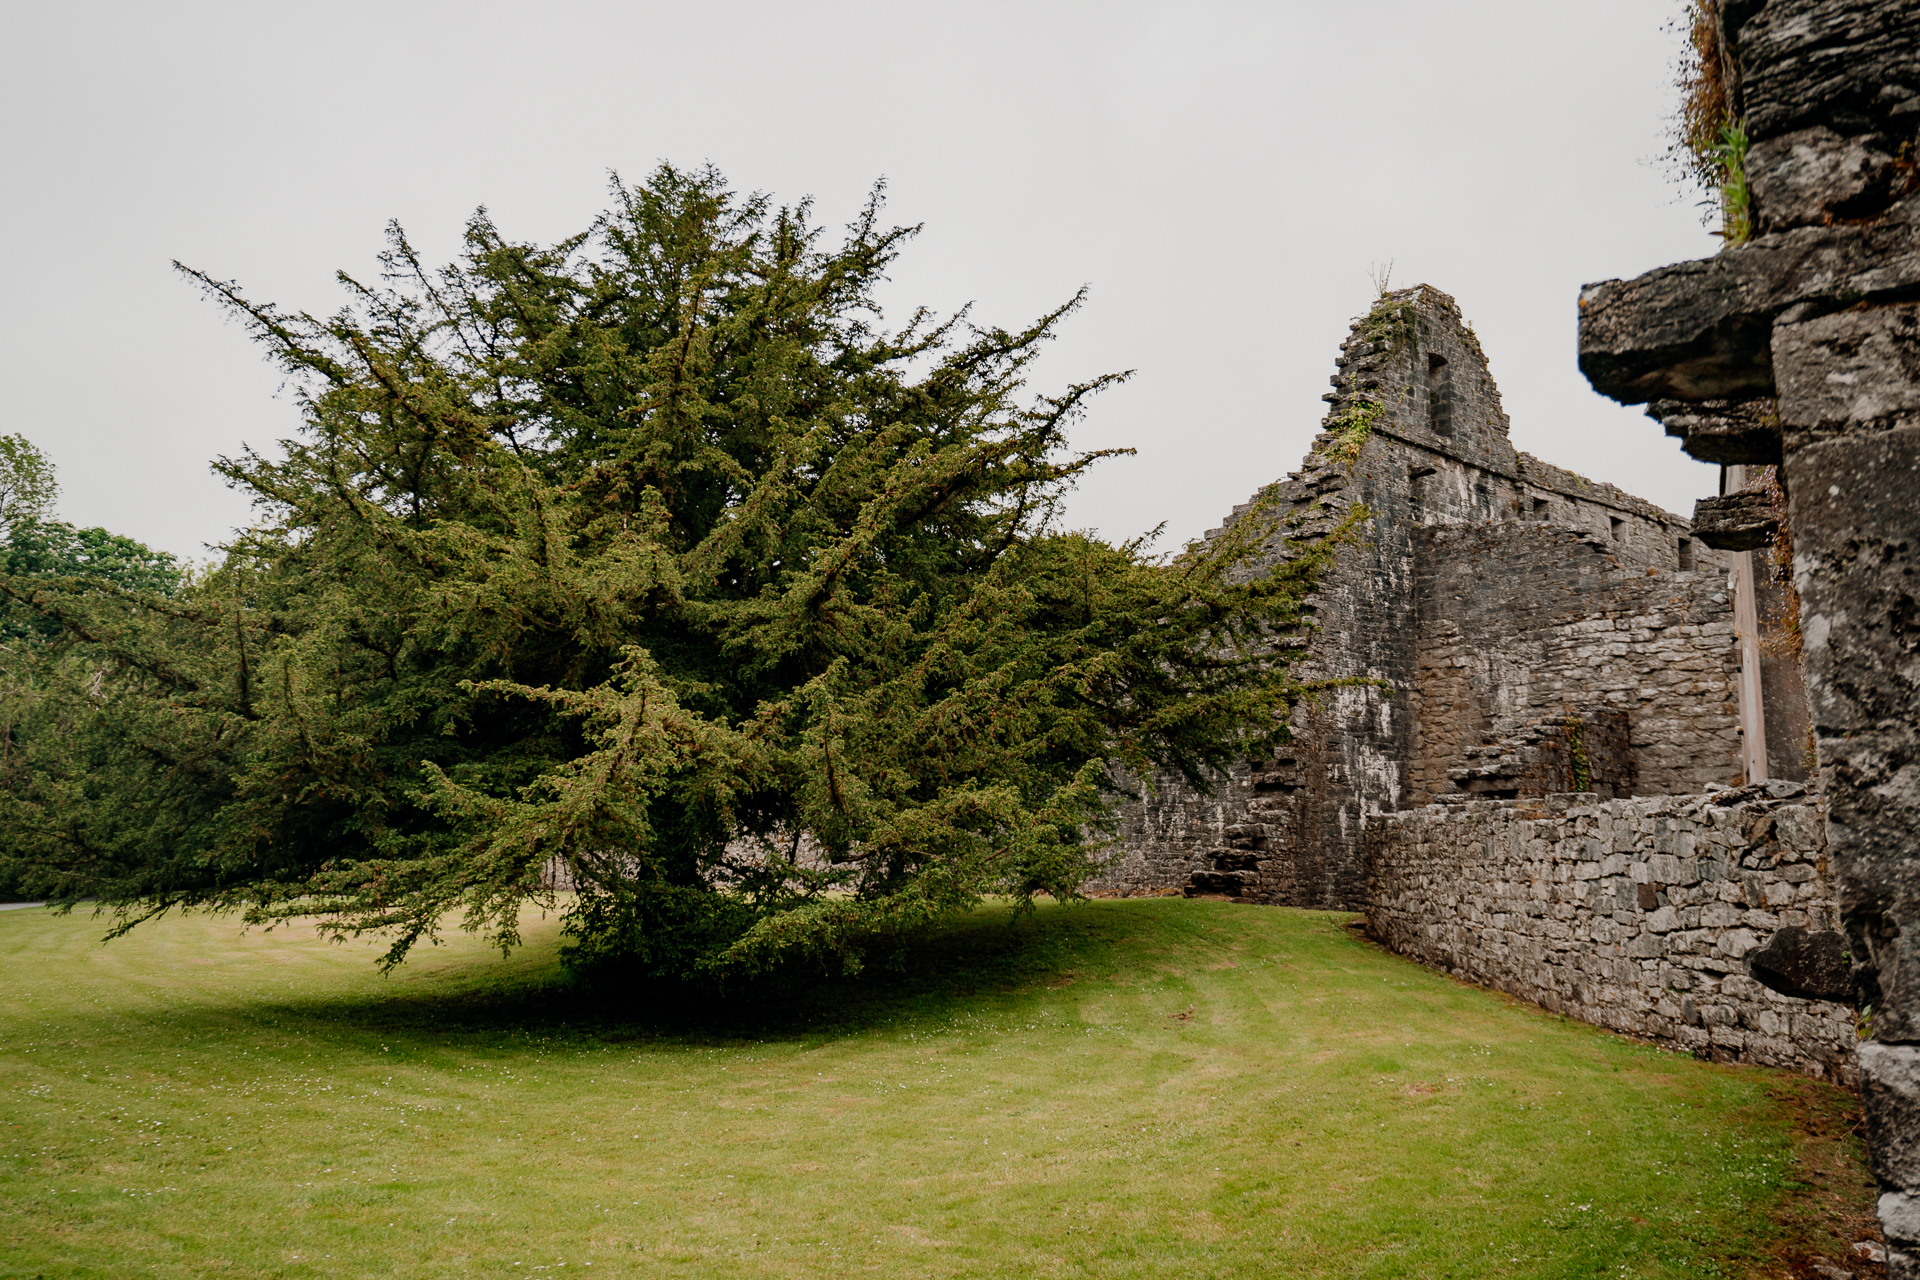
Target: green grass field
{"x": 1136, "y": 1088}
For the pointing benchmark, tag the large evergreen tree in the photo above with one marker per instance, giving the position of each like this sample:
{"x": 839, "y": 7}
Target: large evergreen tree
{"x": 653, "y": 559}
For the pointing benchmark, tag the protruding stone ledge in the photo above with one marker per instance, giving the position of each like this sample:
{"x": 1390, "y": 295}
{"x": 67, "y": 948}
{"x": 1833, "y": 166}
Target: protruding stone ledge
{"x": 1805, "y": 964}
{"x": 1703, "y": 330}
{"x": 1729, "y": 432}
{"x": 1742, "y": 521}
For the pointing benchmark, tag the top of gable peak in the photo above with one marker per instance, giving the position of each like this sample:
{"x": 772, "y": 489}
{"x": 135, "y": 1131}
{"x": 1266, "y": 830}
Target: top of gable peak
{"x": 1420, "y": 365}
{"x": 1415, "y": 321}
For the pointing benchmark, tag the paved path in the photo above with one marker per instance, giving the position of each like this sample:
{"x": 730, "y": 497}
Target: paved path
{"x": 19, "y": 906}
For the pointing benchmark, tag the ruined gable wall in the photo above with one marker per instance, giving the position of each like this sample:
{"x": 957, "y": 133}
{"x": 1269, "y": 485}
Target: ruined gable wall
{"x": 1518, "y": 621}
{"x": 1418, "y": 436}
{"x": 1641, "y": 916}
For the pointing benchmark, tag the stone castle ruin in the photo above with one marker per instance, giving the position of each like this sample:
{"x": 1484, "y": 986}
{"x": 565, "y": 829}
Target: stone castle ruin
{"x": 1530, "y": 632}
{"x": 1626, "y": 770}
{"x": 1578, "y": 769}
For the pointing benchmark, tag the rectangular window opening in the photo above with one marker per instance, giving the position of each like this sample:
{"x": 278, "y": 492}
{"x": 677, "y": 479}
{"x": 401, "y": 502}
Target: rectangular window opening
{"x": 1619, "y": 528}
{"x": 1540, "y": 506}
{"x": 1685, "y": 553}
{"x": 1439, "y": 396}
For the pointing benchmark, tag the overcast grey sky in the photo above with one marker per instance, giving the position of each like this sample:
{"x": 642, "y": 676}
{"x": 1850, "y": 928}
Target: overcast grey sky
{"x": 1221, "y": 174}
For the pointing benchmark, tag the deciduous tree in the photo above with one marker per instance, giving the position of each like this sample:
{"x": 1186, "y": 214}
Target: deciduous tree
{"x": 27, "y": 483}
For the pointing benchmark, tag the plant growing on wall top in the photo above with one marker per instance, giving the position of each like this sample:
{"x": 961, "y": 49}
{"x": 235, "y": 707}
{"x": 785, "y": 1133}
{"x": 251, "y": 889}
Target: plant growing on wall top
{"x": 1382, "y": 277}
{"x": 1351, "y": 428}
{"x": 1392, "y": 323}
{"x": 1710, "y": 144}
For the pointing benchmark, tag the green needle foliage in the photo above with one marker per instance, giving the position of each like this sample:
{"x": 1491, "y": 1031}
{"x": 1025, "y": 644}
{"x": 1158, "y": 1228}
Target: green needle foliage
{"x": 651, "y": 562}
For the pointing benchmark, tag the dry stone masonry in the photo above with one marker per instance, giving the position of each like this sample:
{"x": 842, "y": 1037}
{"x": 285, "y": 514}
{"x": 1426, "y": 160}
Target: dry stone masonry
{"x": 1518, "y": 623}
{"x": 1645, "y": 916}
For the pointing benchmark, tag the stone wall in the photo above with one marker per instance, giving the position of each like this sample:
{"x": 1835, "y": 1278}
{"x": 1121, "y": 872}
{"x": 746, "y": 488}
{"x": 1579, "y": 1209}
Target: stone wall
{"x": 1418, "y": 438}
{"x": 1583, "y": 748}
{"x": 1168, "y": 833}
{"x": 1517, "y": 622}
{"x": 1642, "y": 916}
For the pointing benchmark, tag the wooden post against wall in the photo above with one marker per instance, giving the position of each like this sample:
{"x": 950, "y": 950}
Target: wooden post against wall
{"x": 1746, "y": 626}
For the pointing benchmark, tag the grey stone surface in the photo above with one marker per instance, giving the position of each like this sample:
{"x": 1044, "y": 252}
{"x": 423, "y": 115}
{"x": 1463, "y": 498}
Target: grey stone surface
{"x": 1739, "y": 521}
{"x": 1815, "y": 176}
{"x": 1581, "y": 749}
{"x": 1642, "y": 916}
{"x": 1703, "y": 330}
{"x": 1730, "y": 432}
{"x": 1855, "y": 509}
{"x": 1855, "y": 371}
{"x": 1890, "y": 1086}
{"x": 1853, "y": 65}
{"x": 1516, "y": 622}
{"x": 1806, "y": 964}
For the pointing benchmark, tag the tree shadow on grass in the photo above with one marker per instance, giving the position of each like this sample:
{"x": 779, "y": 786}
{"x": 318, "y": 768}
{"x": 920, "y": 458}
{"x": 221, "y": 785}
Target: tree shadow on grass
{"x": 987, "y": 960}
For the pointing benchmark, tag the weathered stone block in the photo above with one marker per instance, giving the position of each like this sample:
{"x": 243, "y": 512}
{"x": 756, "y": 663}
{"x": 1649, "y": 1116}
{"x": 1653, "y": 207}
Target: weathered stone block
{"x": 1741, "y": 521}
{"x": 1852, "y": 65}
{"x": 1720, "y": 915}
{"x": 1645, "y": 946}
{"x": 1890, "y": 1086}
{"x": 1815, "y": 176}
{"x": 1702, "y": 330}
{"x": 1858, "y": 370}
{"x": 1730, "y": 432}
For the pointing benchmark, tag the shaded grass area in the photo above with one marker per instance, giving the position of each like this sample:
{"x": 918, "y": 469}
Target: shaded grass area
{"x": 1118, "y": 1088}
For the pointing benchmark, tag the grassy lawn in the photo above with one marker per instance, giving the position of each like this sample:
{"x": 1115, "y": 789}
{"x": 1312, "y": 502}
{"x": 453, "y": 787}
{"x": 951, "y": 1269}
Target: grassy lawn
{"x": 1135, "y": 1088}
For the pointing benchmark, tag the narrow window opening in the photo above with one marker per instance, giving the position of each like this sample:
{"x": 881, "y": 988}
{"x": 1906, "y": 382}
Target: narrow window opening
{"x": 1619, "y": 528}
{"x": 1439, "y": 396}
{"x": 1685, "y": 549}
{"x": 1417, "y": 485}
{"x": 1540, "y": 506}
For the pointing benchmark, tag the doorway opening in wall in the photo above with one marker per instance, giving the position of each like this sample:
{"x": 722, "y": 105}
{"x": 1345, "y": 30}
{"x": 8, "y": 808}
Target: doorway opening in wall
{"x": 1439, "y": 396}
{"x": 1619, "y": 528}
{"x": 1683, "y": 553}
